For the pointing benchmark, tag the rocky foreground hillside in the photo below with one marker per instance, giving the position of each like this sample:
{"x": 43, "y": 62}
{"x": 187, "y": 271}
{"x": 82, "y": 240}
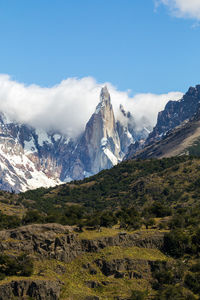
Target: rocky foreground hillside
{"x": 67, "y": 266}
{"x": 131, "y": 232}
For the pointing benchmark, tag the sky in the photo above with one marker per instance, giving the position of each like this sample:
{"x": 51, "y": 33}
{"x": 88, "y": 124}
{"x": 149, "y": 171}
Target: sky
{"x": 63, "y": 51}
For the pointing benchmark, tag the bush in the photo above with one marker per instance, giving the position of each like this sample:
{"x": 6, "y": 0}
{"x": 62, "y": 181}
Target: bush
{"x": 166, "y": 273}
{"x": 108, "y": 219}
{"x": 32, "y": 216}
{"x": 149, "y": 222}
{"x": 19, "y": 266}
{"x": 7, "y": 222}
{"x": 159, "y": 210}
{"x": 129, "y": 218}
{"x": 171, "y": 292}
{"x": 138, "y": 295}
{"x": 177, "y": 243}
{"x": 192, "y": 281}
{"x": 196, "y": 241}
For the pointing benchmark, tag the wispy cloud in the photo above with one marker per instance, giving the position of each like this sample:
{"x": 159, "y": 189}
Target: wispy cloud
{"x": 182, "y": 8}
{"x": 67, "y": 107}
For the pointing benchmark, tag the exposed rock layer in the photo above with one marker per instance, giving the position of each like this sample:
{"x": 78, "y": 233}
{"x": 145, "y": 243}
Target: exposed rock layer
{"x": 36, "y": 289}
{"x": 59, "y": 242}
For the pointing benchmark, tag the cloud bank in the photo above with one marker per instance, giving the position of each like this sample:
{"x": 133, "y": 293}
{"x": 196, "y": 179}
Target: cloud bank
{"x": 67, "y": 107}
{"x": 183, "y": 8}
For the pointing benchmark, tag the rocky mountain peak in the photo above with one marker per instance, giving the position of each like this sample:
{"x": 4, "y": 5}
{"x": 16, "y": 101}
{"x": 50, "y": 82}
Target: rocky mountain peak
{"x": 194, "y": 91}
{"x": 175, "y": 113}
{"x": 122, "y": 110}
{"x": 105, "y": 96}
{"x": 99, "y": 147}
{"x": 105, "y": 101}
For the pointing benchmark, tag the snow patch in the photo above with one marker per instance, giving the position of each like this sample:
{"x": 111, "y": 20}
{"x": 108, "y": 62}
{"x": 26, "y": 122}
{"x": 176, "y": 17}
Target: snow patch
{"x": 9, "y": 179}
{"x": 42, "y": 137}
{"x": 29, "y": 146}
{"x": 68, "y": 179}
{"x": 104, "y": 142}
{"x": 57, "y": 137}
{"x": 111, "y": 156}
{"x": 67, "y": 141}
{"x": 147, "y": 130}
{"x": 6, "y": 120}
{"x": 129, "y": 135}
{"x": 87, "y": 174}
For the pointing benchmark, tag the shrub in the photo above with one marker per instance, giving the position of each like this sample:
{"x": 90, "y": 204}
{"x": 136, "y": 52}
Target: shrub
{"x": 192, "y": 281}
{"x": 19, "y": 266}
{"x": 138, "y": 295}
{"x": 7, "y": 222}
{"x": 176, "y": 243}
{"x": 171, "y": 292}
{"x": 32, "y": 216}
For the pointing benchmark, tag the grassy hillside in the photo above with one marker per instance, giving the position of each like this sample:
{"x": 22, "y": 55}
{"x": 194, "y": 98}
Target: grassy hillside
{"x": 142, "y": 197}
{"x": 147, "y": 186}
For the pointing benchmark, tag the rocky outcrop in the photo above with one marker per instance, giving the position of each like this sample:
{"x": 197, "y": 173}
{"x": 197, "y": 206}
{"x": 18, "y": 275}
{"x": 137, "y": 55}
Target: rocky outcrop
{"x": 152, "y": 241}
{"x": 36, "y": 289}
{"x": 99, "y": 147}
{"x": 59, "y": 242}
{"x": 126, "y": 267}
{"x": 48, "y": 241}
{"x": 175, "y": 113}
{"x": 182, "y": 140}
{"x": 170, "y": 121}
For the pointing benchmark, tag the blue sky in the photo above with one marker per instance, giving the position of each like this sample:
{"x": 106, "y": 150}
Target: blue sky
{"x": 125, "y": 42}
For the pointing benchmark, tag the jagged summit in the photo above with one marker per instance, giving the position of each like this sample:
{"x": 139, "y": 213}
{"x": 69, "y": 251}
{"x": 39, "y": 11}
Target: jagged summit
{"x": 177, "y": 130}
{"x": 105, "y": 101}
{"x": 175, "y": 113}
{"x": 105, "y": 96}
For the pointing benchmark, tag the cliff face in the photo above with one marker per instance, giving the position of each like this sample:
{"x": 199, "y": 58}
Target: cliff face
{"x": 175, "y": 131}
{"x": 59, "y": 242}
{"x": 99, "y": 147}
{"x": 182, "y": 140}
{"x": 175, "y": 113}
{"x": 36, "y": 289}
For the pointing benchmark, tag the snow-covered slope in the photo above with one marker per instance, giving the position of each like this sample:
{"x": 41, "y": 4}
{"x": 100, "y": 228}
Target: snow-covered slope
{"x": 26, "y": 157}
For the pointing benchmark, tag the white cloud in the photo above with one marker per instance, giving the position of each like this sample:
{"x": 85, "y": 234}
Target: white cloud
{"x": 183, "y": 8}
{"x": 68, "y": 106}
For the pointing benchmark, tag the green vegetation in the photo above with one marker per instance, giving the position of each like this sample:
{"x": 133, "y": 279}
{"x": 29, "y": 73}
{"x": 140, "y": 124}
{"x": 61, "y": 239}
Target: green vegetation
{"x": 132, "y": 194}
{"x": 7, "y": 222}
{"x": 20, "y": 265}
{"x": 135, "y": 196}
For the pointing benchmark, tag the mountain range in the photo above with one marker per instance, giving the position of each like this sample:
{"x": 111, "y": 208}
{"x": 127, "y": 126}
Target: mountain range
{"x": 30, "y": 157}
{"x": 176, "y": 132}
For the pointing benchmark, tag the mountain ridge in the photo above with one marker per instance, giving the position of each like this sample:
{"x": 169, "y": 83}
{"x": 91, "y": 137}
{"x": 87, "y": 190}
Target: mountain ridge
{"x": 176, "y": 130}
{"x": 32, "y": 157}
